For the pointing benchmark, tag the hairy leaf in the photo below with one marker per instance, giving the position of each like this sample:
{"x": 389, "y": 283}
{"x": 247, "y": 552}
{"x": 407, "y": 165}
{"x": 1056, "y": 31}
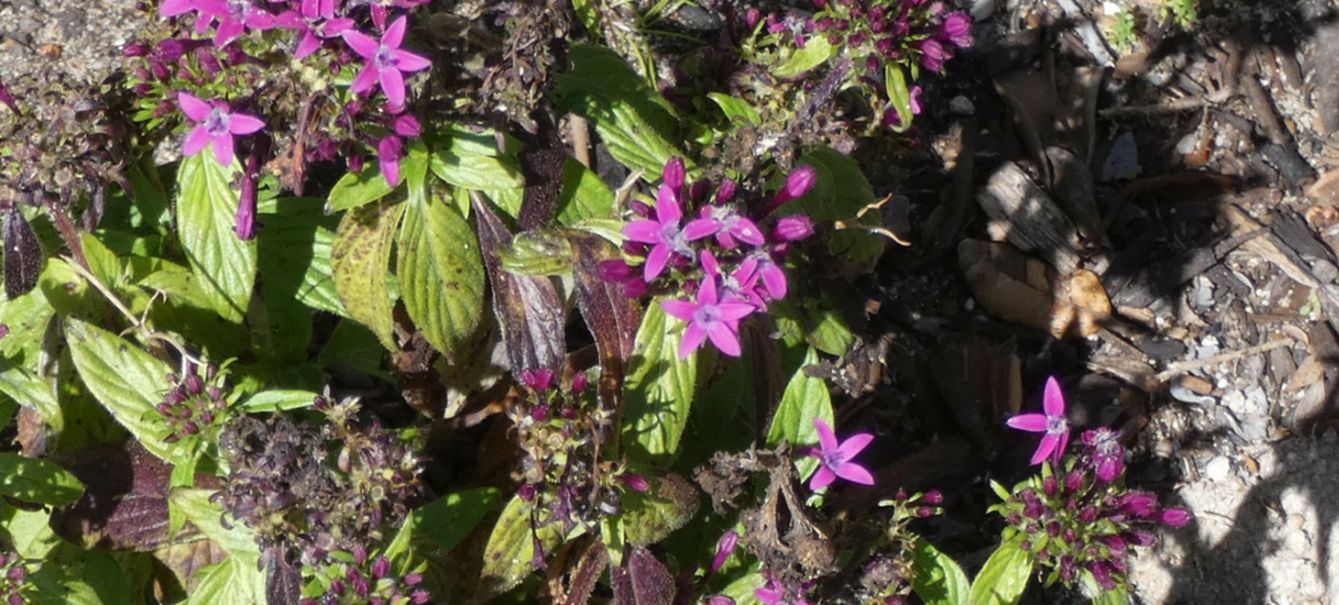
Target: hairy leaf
{"x": 815, "y": 52}
{"x": 659, "y": 389}
{"x": 128, "y": 382}
{"x": 125, "y": 502}
{"x": 1005, "y": 575}
{"x": 537, "y": 253}
{"x": 295, "y": 254}
{"x": 510, "y": 554}
{"x": 235, "y": 581}
{"x": 636, "y": 123}
{"x": 651, "y": 517}
{"x": 936, "y": 577}
{"x": 355, "y": 189}
{"x": 37, "y": 481}
{"x": 279, "y": 400}
{"x": 361, "y": 258}
{"x": 584, "y": 196}
{"x": 206, "y": 215}
{"x": 527, "y": 308}
{"x": 804, "y": 400}
{"x": 22, "y": 256}
{"x": 441, "y": 276}
{"x": 643, "y": 580}
{"x": 442, "y": 523}
{"x": 463, "y": 166}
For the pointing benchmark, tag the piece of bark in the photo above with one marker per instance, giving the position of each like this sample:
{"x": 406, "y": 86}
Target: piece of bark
{"x": 1072, "y": 186}
{"x": 1036, "y": 223}
{"x": 1324, "y": 77}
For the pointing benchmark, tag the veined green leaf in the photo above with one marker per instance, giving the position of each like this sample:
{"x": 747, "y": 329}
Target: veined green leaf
{"x": 736, "y": 108}
{"x": 937, "y": 578}
{"x": 127, "y": 381}
{"x": 1005, "y": 575}
{"x": 361, "y": 258}
{"x": 636, "y": 123}
{"x": 295, "y": 254}
{"x": 441, "y": 275}
{"x": 279, "y": 400}
{"x": 442, "y": 523}
{"x": 839, "y": 193}
{"x": 659, "y": 389}
{"x": 804, "y": 399}
{"x": 815, "y": 52}
{"x": 537, "y": 252}
{"x": 206, "y": 215}
{"x": 474, "y": 171}
{"x": 509, "y": 555}
{"x": 37, "y": 481}
{"x": 651, "y": 517}
{"x": 195, "y": 505}
{"x": 235, "y": 581}
{"x": 355, "y": 189}
{"x": 27, "y": 388}
{"x": 584, "y": 196}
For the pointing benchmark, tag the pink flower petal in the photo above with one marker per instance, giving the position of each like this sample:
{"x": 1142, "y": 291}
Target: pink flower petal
{"x": 748, "y": 232}
{"x": 1035, "y": 423}
{"x": 195, "y": 141}
{"x": 223, "y": 148}
{"x": 724, "y": 339}
{"x": 227, "y": 32}
{"x": 1044, "y": 448}
{"x": 392, "y": 83}
{"x": 240, "y": 123}
{"x": 361, "y": 44}
{"x": 708, "y": 261}
{"x": 1054, "y": 401}
{"x": 821, "y": 479}
{"x": 655, "y": 262}
{"x": 394, "y": 35}
{"x": 172, "y": 8}
{"x": 699, "y": 228}
{"x": 193, "y": 107}
{"x": 409, "y": 62}
{"x": 261, "y": 20}
{"x": 693, "y": 336}
{"x": 680, "y": 309}
{"x": 667, "y": 206}
{"x": 644, "y": 231}
{"x": 1060, "y": 447}
{"x": 365, "y": 80}
{"x": 734, "y": 311}
{"x": 854, "y": 445}
{"x": 854, "y": 473}
{"x": 309, "y": 44}
{"x": 706, "y": 293}
{"x": 775, "y": 281}
{"x": 827, "y": 440}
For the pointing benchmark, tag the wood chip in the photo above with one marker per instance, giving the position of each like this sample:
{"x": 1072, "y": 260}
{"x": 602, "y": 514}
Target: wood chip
{"x": 1035, "y": 222}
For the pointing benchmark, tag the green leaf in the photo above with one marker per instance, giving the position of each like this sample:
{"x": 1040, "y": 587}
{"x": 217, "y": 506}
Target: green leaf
{"x": 538, "y": 252}
{"x": 1004, "y": 577}
{"x": 1120, "y": 595}
{"x": 26, "y": 387}
{"x": 584, "y": 196}
{"x": 279, "y": 401}
{"x": 736, "y": 109}
{"x": 659, "y": 389}
{"x": 936, "y": 577}
{"x": 816, "y": 51}
{"x": 635, "y": 122}
{"x": 442, "y": 523}
{"x": 804, "y": 399}
{"x": 352, "y": 346}
{"x": 474, "y": 171}
{"x": 651, "y": 517}
{"x": 898, "y": 94}
{"x": 510, "y": 553}
{"x": 27, "y": 317}
{"x": 206, "y": 216}
{"x": 295, "y": 255}
{"x": 361, "y": 258}
{"x": 356, "y": 189}
{"x": 37, "y": 481}
{"x": 441, "y": 276}
{"x": 195, "y": 506}
{"x": 72, "y": 576}
{"x": 127, "y": 382}
{"x": 235, "y": 581}
{"x": 840, "y": 192}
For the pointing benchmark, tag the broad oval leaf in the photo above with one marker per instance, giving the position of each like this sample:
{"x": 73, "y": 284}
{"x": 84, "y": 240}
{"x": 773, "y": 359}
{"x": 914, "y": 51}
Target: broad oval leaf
{"x": 840, "y": 193}
{"x": 127, "y": 381}
{"x": 441, "y": 276}
{"x": 37, "y": 481}
{"x": 537, "y": 253}
{"x": 198, "y": 507}
{"x": 510, "y": 553}
{"x": 206, "y": 215}
{"x": 936, "y": 577}
{"x": 22, "y": 255}
{"x": 804, "y": 399}
{"x": 584, "y": 195}
{"x": 660, "y": 389}
{"x": 235, "y": 581}
{"x": 1005, "y": 575}
{"x": 477, "y": 172}
{"x": 442, "y": 523}
{"x": 651, "y": 517}
{"x": 361, "y": 261}
{"x": 815, "y": 52}
{"x": 355, "y": 189}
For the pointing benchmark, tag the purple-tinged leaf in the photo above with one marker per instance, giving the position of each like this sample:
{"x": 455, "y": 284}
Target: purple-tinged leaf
{"x": 124, "y": 505}
{"x": 23, "y": 254}
{"x": 612, "y": 317}
{"x": 643, "y": 580}
{"x": 184, "y": 560}
{"x": 283, "y": 582}
{"x": 594, "y": 559}
{"x": 527, "y": 308}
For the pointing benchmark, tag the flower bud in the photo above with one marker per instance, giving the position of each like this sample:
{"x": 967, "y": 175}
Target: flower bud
{"x": 406, "y": 125}
{"x": 933, "y": 497}
{"x": 1139, "y": 505}
{"x": 1050, "y": 485}
{"x": 674, "y": 174}
{"x": 539, "y": 380}
{"x": 635, "y": 482}
{"x": 793, "y": 228}
{"x": 579, "y": 383}
{"x": 725, "y": 192}
{"x": 1074, "y": 482}
{"x": 381, "y": 567}
{"x": 1174, "y": 517}
{"x": 1088, "y": 514}
{"x": 798, "y": 183}
{"x": 135, "y": 49}
{"x": 751, "y": 19}
{"x": 724, "y": 548}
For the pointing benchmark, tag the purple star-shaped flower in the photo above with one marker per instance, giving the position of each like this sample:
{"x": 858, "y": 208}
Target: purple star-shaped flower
{"x": 216, "y": 124}
{"x": 709, "y": 317}
{"x": 1053, "y": 423}
{"x": 1105, "y": 452}
{"x": 233, "y": 16}
{"x": 835, "y": 458}
{"x": 772, "y": 276}
{"x": 386, "y": 62}
{"x": 316, "y": 20}
{"x": 740, "y": 284}
{"x": 665, "y": 233}
{"x": 727, "y": 225}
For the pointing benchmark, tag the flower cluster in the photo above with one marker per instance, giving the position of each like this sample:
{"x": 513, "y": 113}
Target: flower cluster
{"x": 343, "y": 91}
{"x": 280, "y": 484}
{"x": 562, "y": 475}
{"x": 195, "y": 404}
{"x": 713, "y": 249}
{"x": 14, "y": 586}
{"x": 354, "y": 578}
